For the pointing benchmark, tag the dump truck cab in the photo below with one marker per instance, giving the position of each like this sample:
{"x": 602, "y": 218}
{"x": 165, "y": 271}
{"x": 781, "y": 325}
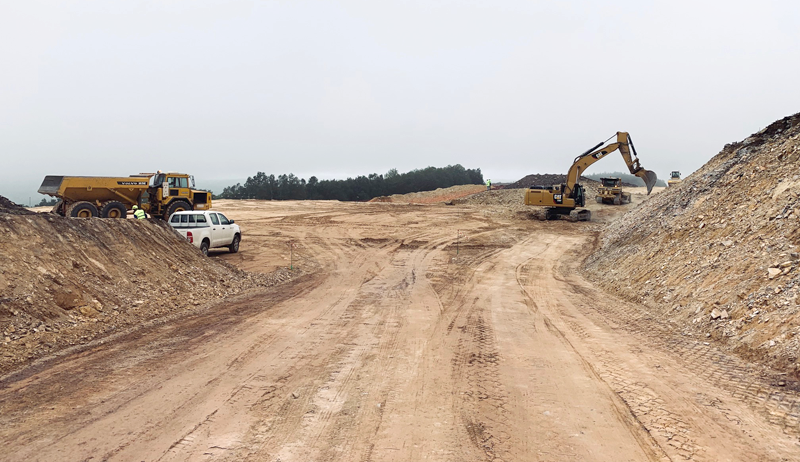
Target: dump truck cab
{"x": 674, "y": 178}
{"x": 172, "y": 192}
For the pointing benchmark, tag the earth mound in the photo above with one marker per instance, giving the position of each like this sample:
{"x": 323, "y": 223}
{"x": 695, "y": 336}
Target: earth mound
{"x": 66, "y": 281}
{"x": 591, "y": 186}
{"x": 718, "y": 254}
{"x": 9, "y": 207}
{"x": 432, "y": 197}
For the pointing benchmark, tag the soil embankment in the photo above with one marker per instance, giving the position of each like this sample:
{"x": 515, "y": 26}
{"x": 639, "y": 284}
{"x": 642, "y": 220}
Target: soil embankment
{"x": 718, "y": 255}
{"x": 66, "y": 281}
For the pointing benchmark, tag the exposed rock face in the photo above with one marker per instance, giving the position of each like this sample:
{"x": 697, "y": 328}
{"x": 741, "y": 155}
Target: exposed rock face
{"x": 719, "y": 252}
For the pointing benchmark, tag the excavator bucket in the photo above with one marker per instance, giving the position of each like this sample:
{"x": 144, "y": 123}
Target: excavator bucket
{"x": 649, "y": 178}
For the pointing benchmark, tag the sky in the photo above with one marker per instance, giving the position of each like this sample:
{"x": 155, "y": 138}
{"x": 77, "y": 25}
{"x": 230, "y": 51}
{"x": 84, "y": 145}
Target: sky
{"x": 335, "y": 89}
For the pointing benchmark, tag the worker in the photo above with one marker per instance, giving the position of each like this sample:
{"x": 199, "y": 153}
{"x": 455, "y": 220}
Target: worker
{"x": 138, "y": 213}
{"x": 488, "y": 185}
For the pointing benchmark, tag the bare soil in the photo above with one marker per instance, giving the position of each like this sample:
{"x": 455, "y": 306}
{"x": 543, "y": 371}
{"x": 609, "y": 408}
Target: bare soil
{"x": 407, "y": 332}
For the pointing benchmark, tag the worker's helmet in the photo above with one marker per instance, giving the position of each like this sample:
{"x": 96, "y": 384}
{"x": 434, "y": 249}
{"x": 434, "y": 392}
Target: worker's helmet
{"x": 135, "y": 207}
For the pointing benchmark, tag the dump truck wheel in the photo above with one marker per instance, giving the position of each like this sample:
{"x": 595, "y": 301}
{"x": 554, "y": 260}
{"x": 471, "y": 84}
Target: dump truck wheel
{"x": 599, "y": 199}
{"x": 177, "y": 206}
{"x": 204, "y": 247}
{"x": 82, "y": 209}
{"x": 234, "y": 247}
{"x": 114, "y": 209}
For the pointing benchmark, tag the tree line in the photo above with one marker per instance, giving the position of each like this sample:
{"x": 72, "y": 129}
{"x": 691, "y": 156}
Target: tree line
{"x": 361, "y": 188}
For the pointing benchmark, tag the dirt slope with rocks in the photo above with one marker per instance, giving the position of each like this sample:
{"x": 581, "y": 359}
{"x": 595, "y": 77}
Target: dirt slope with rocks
{"x": 66, "y": 281}
{"x": 718, "y": 255}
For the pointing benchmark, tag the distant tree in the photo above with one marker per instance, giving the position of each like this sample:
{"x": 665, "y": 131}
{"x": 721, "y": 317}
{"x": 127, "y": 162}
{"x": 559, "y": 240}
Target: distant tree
{"x": 47, "y": 202}
{"x": 361, "y": 188}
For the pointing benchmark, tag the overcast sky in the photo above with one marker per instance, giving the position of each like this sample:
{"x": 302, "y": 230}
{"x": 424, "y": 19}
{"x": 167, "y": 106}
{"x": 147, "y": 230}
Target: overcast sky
{"x": 223, "y": 89}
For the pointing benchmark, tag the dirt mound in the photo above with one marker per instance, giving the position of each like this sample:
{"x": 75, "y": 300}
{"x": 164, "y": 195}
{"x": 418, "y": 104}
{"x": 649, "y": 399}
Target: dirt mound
{"x": 548, "y": 179}
{"x": 9, "y": 207}
{"x": 65, "y": 281}
{"x": 432, "y": 197}
{"x": 718, "y": 254}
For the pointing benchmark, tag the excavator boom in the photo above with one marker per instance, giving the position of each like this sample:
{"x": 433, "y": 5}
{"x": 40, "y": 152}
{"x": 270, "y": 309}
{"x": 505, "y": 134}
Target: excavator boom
{"x": 625, "y": 145}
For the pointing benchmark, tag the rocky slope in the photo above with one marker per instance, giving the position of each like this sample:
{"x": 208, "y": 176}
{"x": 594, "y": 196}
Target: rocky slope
{"x": 718, "y": 255}
{"x": 66, "y": 281}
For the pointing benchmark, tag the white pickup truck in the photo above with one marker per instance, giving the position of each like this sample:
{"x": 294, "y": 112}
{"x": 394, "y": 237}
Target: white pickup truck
{"x": 207, "y": 229}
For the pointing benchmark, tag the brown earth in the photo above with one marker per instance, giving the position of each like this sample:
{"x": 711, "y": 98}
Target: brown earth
{"x": 407, "y": 332}
{"x": 433, "y": 197}
{"x": 718, "y": 257}
{"x": 66, "y": 281}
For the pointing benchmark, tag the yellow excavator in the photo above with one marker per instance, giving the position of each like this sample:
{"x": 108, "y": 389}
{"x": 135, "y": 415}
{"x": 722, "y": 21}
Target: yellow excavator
{"x": 563, "y": 199}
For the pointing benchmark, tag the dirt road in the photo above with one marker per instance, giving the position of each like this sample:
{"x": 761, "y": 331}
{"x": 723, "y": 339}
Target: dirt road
{"x": 398, "y": 346}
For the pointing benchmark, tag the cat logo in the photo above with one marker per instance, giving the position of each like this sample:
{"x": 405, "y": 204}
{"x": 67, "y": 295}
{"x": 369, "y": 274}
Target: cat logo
{"x": 557, "y": 198}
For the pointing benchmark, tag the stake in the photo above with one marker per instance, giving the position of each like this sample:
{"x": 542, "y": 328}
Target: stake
{"x": 291, "y": 254}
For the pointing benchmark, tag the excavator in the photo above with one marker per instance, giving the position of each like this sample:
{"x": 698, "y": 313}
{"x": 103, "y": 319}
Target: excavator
{"x": 563, "y": 199}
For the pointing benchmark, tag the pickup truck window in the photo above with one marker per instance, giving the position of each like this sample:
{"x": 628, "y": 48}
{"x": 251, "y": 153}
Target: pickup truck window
{"x": 214, "y": 218}
{"x": 175, "y": 219}
{"x": 223, "y": 220}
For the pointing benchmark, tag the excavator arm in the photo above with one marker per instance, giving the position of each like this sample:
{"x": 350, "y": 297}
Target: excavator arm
{"x": 625, "y": 145}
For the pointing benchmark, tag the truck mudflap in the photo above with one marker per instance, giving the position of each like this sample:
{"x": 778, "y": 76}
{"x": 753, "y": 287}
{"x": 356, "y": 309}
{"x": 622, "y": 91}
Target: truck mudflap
{"x": 51, "y": 185}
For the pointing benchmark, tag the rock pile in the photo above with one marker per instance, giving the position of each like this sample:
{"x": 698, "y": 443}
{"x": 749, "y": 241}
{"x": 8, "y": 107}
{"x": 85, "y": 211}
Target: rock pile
{"x": 720, "y": 253}
{"x": 66, "y": 281}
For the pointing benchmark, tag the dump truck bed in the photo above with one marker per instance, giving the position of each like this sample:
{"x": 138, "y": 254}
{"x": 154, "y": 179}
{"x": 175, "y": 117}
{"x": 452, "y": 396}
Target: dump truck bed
{"x": 93, "y": 188}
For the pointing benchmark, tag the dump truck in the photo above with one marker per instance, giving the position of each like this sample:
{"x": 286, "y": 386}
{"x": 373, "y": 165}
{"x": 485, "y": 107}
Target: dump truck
{"x": 674, "y": 178}
{"x": 564, "y": 199}
{"x": 159, "y": 194}
{"x": 611, "y": 192}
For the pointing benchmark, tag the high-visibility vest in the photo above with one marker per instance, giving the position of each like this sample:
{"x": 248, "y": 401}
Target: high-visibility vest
{"x": 139, "y": 214}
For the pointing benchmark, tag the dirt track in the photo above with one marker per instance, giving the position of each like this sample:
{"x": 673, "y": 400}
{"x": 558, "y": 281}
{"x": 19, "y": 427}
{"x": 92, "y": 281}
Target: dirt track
{"x": 396, "y": 349}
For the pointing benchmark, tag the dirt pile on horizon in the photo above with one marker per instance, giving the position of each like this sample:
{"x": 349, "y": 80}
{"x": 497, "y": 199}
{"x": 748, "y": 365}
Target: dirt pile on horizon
{"x": 432, "y": 197}
{"x": 549, "y": 179}
{"x": 718, "y": 255}
{"x": 66, "y": 281}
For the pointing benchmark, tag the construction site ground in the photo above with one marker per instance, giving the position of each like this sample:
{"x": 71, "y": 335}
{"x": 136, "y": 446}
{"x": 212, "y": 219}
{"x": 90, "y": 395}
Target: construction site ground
{"x": 401, "y": 332}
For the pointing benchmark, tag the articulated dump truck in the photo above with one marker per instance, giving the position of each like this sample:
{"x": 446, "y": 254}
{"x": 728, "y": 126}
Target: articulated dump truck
{"x": 159, "y": 194}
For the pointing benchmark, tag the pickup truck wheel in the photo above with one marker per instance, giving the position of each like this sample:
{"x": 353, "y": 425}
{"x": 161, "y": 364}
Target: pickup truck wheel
{"x": 204, "y": 247}
{"x": 177, "y": 206}
{"x": 113, "y": 209}
{"x": 234, "y": 247}
{"x": 82, "y": 209}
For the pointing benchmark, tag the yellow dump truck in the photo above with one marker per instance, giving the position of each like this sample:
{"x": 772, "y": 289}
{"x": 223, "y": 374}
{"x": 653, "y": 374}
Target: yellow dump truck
{"x": 611, "y": 192}
{"x": 674, "y": 178}
{"x": 159, "y": 194}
